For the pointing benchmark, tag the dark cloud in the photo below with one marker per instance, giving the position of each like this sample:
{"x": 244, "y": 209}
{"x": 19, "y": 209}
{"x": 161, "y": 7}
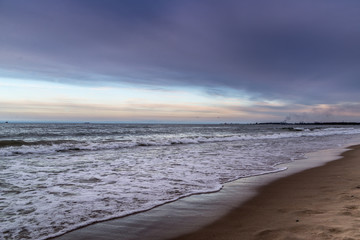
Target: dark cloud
{"x": 301, "y": 51}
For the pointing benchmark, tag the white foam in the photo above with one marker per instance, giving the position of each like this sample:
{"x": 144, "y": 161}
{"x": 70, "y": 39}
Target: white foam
{"x": 90, "y": 145}
{"x": 53, "y": 192}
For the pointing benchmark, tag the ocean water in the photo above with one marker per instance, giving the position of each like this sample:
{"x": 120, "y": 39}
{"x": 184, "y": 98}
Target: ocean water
{"x": 58, "y": 177}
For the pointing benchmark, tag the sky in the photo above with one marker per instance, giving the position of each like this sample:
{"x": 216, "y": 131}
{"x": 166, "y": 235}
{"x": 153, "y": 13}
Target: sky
{"x": 190, "y": 61}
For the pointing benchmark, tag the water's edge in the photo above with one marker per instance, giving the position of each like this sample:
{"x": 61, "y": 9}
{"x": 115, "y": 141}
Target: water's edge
{"x": 190, "y": 213}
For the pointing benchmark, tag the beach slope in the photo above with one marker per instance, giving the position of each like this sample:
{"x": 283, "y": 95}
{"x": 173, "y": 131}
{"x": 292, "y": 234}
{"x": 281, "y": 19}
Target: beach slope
{"x": 318, "y": 203}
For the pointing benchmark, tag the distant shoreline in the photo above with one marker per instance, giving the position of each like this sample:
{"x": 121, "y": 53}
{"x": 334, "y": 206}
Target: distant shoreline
{"x": 309, "y": 123}
{"x": 184, "y": 123}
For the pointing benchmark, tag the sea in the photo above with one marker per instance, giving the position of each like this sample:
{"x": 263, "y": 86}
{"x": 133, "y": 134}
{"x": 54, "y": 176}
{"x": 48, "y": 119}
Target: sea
{"x": 56, "y": 177}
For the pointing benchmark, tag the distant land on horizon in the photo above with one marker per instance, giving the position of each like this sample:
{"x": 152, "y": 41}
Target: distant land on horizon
{"x": 311, "y": 123}
{"x": 225, "y": 123}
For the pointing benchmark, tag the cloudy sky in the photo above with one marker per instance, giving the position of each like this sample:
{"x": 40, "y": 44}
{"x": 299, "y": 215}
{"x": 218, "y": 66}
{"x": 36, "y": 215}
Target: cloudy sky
{"x": 180, "y": 60}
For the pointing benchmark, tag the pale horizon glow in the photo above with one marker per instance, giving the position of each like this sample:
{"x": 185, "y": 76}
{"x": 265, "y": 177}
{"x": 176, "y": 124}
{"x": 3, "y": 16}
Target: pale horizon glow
{"x": 31, "y": 100}
{"x": 45, "y": 101}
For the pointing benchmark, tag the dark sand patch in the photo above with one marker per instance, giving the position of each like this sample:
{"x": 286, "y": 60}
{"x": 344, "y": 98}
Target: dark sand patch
{"x": 318, "y": 203}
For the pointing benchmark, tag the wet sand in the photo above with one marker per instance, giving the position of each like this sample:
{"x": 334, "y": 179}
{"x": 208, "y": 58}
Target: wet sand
{"x": 318, "y": 203}
{"x": 277, "y": 203}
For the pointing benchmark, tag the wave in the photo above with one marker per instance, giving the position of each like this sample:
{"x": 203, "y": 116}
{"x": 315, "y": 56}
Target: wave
{"x": 17, "y": 143}
{"x": 152, "y": 204}
{"x": 18, "y": 147}
{"x": 10, "y": 143}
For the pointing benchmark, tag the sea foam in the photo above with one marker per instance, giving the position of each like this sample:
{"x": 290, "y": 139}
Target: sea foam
{"x": 53, "y": 183}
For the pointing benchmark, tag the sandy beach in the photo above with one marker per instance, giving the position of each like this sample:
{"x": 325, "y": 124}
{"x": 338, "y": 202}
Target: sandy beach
{"x": 318, "y": 203}
{"x": 310, "y": 200}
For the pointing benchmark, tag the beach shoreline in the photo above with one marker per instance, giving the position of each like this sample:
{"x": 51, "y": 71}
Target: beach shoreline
{"x": 195, "y": 213}
{"x": 317, "y": 203}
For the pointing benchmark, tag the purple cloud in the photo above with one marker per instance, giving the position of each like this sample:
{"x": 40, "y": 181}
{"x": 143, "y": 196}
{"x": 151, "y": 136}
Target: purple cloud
{"x": 300, "y": 51}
